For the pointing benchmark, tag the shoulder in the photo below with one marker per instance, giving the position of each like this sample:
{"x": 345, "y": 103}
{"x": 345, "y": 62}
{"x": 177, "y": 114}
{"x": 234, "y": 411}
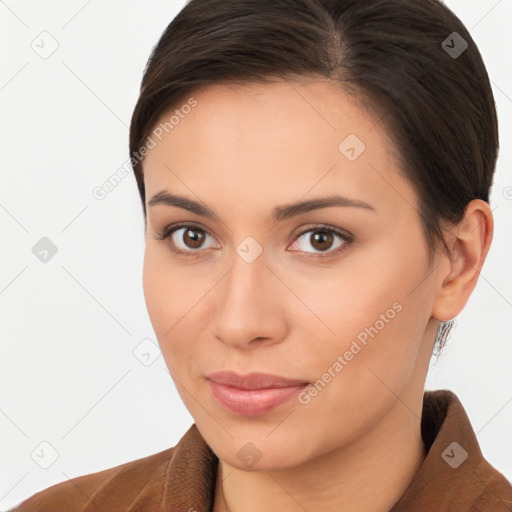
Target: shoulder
{"x": 112, "y": 489}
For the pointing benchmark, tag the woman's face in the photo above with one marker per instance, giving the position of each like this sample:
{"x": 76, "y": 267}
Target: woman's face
{"x": 255, "y": 291}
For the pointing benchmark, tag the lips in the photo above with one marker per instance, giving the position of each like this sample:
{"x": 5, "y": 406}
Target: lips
{"x": 253, "y": 380}
{"x": 253, "y": 394}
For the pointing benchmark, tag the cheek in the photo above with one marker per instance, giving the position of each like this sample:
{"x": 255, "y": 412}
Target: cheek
{"x": 372, "y": 310}
{"x": 162, "y": 301}
{"x": 155, "y": 286}
{"x": 170, "y": 304}
{"x": 165, "y": 289}
{"x": 341, "y": 302}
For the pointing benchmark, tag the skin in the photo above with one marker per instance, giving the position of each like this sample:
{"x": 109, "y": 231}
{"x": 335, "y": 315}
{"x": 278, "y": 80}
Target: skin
{"x": 242, "y": 151}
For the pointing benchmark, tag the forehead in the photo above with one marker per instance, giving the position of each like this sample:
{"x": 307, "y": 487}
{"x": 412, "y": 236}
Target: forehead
{"x": 280, "y": 109}
{"x": 284, "y": 135}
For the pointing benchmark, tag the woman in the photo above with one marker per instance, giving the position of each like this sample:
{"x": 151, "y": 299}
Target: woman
{"x": 315, "y": 180}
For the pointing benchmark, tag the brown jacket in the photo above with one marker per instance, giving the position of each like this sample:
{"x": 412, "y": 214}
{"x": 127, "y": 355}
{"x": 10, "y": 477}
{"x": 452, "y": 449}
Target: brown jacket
{"x": 454, "y": 477}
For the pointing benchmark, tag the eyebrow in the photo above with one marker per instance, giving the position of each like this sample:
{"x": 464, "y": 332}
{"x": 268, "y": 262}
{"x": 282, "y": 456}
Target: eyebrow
{"x": 279, "y": 213}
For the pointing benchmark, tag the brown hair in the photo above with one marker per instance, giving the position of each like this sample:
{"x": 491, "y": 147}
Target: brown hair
{"x": 429, "y": 90}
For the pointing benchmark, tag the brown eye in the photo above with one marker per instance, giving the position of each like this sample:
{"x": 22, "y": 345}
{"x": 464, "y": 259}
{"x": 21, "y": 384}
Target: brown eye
{"x": 321, "y": 239}
{"x": 185, "y": 239}
{"x": 191, "y": 238}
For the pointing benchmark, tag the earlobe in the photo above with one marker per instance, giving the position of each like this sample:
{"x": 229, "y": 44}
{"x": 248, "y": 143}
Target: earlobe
{"x": 459, "y": 271}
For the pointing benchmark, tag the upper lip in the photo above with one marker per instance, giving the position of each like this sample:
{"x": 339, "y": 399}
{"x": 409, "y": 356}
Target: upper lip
{"x": 254, "y": 380}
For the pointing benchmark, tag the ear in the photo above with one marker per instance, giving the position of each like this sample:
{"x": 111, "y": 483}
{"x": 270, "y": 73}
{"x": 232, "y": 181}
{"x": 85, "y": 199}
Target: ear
{"x": 469, "y": 242}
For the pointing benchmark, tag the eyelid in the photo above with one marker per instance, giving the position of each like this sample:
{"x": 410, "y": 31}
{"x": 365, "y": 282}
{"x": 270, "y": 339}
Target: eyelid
{"x": 167, "y": 230}
{"x": 319, "y": 227}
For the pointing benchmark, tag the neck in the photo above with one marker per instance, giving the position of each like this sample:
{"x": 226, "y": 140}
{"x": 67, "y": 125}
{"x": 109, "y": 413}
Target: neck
{"x": 370, "y": 474}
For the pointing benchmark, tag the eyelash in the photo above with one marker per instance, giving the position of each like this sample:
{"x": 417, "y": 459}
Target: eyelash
{"x": 169, "y": 230}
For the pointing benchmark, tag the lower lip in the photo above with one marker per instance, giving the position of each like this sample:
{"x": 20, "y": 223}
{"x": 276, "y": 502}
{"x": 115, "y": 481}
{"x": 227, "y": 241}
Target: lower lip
{"x": 252, "y": 402}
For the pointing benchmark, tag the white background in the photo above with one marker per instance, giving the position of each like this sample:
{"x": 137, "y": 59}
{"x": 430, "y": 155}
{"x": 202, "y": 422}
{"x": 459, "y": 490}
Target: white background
{"x": 68, "y": 327}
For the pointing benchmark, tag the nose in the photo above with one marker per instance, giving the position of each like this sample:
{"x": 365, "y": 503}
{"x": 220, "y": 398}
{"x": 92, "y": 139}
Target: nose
{"x": 249, "y": 305}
